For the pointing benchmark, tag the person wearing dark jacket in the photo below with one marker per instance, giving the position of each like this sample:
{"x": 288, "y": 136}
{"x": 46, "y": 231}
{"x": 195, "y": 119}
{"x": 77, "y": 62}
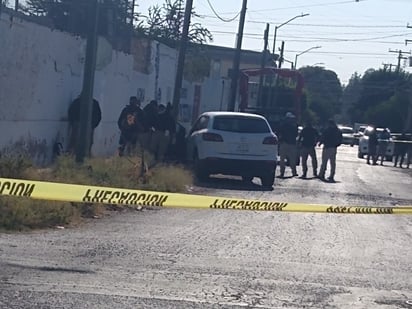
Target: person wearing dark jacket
{"x": 308, "y": 139}
{"x": 164, "y": 130}
{"x": 401, "y": 149}
{"x": 372, "y": 147}
{"x": 74, "y": 123}
{"x": 130, "y": 124}
{"x": 288, "y": 132}
{"x": 331, "y": 140}
{"x": 150, "y": 112}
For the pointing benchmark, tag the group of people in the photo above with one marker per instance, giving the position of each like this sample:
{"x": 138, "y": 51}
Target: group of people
{"x": 152, "y": 128}
{"x": 377, "y": 146}
{"x": 291, "y": 142}
{"x": 378, "y": 143}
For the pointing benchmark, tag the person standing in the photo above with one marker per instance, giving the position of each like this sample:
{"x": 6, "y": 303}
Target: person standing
{"x": 149, "y": 119}
{"x": 288, "y": 132}
{"x": 383, "y": 142}
{"x": 308, "y": 139}
{"x": 401, "y": 149}
{"x": 408, "y": 149}
{"x": 331, "y": 140}
{"x": 165, "y": 128}
{"x": 130, "y": 125}
{"x": 74, "y": 123}
{"x": 372, "y": 147}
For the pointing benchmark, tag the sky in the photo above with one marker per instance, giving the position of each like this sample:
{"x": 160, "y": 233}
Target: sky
{"x": 353, "y": 36}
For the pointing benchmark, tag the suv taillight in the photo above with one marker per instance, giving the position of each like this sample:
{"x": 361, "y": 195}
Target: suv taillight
{"x": 212, "y": 137}
{"x": 270, "y": 140}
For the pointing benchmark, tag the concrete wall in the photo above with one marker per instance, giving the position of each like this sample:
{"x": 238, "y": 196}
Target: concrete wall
{"x": 41, "y": 72}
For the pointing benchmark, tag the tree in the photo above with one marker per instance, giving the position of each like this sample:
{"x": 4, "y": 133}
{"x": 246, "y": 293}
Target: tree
{"x": 72, "y": 15}
{"x": 165, "y": 23}
{"x": 382, "y": 98}
{"x": 391, "y": 113}
{"x": 350, "y": 97}
{"x": 323, "y": 92}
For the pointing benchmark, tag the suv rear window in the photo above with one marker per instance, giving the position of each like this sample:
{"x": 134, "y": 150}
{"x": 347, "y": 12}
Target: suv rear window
{"x": 240, "y": 124}
{"x": 346, "y": 130}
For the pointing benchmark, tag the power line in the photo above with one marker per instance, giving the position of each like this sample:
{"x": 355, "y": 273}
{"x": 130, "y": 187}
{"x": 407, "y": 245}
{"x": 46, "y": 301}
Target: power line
{"x": 323, "y": 39}
{"x": 333, "y": 25}
{"x": 351, "y": 40}
{"x": 274, "y": 22}
{"x": 304, "y": 6}
{"x": 341, "y": 53}
{"x": 228, "y": 20}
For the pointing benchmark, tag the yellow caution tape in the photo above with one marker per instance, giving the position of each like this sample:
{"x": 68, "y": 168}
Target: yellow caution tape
{"x": 104, "y": 195}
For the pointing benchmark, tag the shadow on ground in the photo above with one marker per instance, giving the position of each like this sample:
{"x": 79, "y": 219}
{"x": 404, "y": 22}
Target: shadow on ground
{"x": 231, "y": 183}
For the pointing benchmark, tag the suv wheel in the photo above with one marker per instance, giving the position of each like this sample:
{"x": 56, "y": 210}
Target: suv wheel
{"x": 199, "y": 168}
{"x": 247, "y": 178}
{"x": 360, "y": 155}
{"x": 268, "y": 179}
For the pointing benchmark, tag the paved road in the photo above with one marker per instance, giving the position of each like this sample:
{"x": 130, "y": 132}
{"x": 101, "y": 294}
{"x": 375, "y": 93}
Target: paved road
{"x": 173, "y": 258}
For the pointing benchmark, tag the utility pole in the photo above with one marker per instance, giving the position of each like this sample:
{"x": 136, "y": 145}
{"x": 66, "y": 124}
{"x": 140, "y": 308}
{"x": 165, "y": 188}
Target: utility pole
{"x": 86, "y": 100}
{"x": 386, "y": 65}
{"x": 400, "y": 57}
{"x": 236, "y": 60}
{"x": 282, "y": 49}
{"x": 408, "y": 122}
{"x": 181, "y": 58}
{"x": 263, "y": 63}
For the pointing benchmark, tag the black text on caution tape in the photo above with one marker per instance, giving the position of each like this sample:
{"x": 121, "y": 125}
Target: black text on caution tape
{"x": 125, "y": 198}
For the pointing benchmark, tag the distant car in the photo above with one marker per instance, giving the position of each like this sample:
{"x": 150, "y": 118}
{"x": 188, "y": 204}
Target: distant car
{"x": 357, "y": 135}
{"x": 363, "y": 148}
{"x": 348, "y": 137}
{"x": 233, "y": 143}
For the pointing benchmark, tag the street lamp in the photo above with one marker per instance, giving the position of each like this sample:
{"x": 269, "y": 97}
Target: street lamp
{"x": 304, "y": 52}
{"x": 291, "y": 63}
{"x": 286, "y": 22}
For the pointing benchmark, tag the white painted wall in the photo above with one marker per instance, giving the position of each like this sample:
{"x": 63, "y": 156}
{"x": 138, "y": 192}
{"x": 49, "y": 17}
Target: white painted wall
{"x": 41, "y": 73}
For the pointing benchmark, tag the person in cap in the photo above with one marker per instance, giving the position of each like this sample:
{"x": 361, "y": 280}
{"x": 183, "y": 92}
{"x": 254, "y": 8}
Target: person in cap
{"x": 331, "y": 139}
{"x": 287, "y": 133}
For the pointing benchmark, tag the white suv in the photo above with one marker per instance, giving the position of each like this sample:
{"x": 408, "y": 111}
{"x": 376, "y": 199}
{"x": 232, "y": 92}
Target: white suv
{"x": 363, "y": 148}
{"x": 233, "y": 143}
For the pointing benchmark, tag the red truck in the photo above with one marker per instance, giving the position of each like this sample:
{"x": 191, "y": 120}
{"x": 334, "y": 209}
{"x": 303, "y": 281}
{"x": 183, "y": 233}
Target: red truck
{"x": 280, "y": 91}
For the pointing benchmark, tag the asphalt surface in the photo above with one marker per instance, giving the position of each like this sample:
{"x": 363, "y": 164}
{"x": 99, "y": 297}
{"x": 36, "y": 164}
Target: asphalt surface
{"x": 180, "y": 258}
